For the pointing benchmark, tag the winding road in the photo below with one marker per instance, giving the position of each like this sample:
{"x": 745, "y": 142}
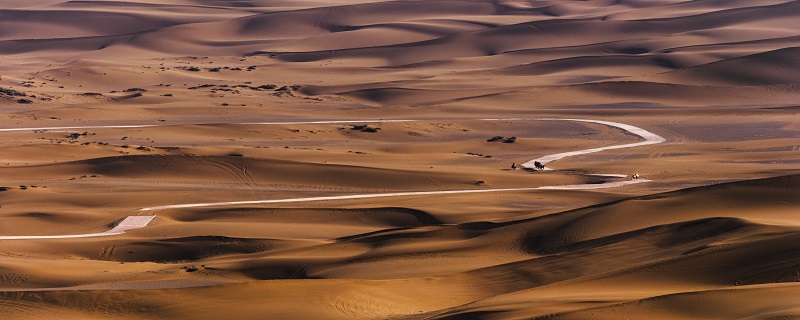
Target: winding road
{"x": 135, "y": 222}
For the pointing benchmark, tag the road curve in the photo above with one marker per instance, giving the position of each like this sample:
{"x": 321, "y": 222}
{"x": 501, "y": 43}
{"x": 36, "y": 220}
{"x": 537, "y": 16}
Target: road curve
{"x": 649, "y": 138}
{"x": 135, "y": 222}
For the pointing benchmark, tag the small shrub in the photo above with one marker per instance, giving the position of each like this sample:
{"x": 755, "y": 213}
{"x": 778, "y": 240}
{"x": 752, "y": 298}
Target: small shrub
{"x": 365, "y": 128}
{"x": 11, "y": 92}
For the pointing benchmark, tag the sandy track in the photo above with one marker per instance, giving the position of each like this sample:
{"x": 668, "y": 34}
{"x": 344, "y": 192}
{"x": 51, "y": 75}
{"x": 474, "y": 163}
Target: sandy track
{"x": 78, "y": 128}
{"x": 649, "y": 138}
{"x": 396, "y": 194}
{"x": 134, "y": 222}
{"x": 131, "y": 222}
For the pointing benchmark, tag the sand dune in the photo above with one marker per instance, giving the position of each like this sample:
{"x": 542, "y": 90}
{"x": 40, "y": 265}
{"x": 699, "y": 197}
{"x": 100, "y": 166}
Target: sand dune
{"x": 352, "y": 159}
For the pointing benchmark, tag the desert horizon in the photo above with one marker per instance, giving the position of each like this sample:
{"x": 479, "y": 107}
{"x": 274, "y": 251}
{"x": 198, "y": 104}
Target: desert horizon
{"x": 445, "y": 159}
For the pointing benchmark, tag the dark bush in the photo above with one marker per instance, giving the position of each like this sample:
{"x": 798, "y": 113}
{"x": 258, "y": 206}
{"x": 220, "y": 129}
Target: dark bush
{"x": 11, "y": 92}
{"x": 364, "y": 128}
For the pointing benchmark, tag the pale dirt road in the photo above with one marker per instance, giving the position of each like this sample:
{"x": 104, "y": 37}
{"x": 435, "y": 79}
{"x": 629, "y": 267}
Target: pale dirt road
{"x": 649, "y": 138}
{"x": 135, "y": 222}
{"x": 131, "y": 222}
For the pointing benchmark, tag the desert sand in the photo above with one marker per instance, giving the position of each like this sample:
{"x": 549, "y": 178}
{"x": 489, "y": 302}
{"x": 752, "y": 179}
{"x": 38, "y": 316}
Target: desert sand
{"x": 201, "y": 159}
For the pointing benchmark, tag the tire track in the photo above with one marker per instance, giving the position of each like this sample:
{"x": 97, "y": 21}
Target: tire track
{"x": 157, "y": 166}
{"x": 237, "y": 172}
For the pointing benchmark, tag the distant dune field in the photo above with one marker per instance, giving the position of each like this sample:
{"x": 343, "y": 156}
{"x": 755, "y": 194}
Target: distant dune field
{"x": 203, "y": 113}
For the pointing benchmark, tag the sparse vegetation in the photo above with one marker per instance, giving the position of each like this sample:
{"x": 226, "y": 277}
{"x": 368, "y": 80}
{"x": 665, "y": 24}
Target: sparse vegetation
{"x": 364, "y": 128}
{"x": 479, "y": 155}
{"x": 502, "y": 139}
{"x": 207, "y": 85}
{"x": 76, "y": 135}
{"x": 12, "y": 92}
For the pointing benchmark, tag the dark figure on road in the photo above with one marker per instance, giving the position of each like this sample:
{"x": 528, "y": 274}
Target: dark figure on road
{"x": 538, "y": 165}
{"x": 513, "y": 166}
